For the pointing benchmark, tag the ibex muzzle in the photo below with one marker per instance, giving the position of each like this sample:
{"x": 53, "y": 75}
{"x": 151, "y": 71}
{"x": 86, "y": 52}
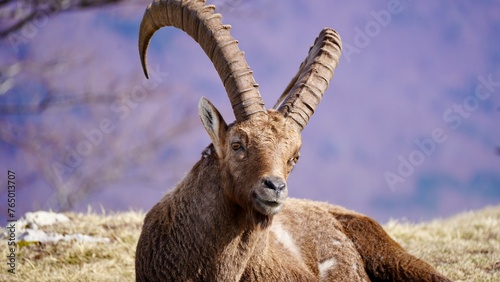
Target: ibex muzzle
{"x": 270, "y": 198}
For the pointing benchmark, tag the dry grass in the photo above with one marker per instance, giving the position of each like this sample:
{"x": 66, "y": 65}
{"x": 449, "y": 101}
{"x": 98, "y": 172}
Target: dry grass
{"x": 465, "y": 247}
{"x": 77, "y": 261}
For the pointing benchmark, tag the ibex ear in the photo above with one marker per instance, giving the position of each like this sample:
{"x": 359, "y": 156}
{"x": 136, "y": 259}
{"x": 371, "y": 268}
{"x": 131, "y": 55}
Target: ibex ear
{"x": 214, "y": 124}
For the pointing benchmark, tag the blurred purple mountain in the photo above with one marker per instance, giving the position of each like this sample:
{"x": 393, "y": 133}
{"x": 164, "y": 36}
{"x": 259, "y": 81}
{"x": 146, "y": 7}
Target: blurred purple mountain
{"x": 409, "y": 126}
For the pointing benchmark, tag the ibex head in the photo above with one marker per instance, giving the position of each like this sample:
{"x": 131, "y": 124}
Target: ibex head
{"x": 257, "y": 152}
{"x": 255, "y": 157}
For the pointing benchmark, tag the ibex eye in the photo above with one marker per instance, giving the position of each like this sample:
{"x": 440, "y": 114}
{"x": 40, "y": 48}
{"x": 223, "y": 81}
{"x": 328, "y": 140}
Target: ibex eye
{"x": 236, "y": 146}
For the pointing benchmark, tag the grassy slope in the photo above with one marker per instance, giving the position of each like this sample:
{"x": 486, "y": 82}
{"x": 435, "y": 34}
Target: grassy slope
{"x": 465, "y": 247}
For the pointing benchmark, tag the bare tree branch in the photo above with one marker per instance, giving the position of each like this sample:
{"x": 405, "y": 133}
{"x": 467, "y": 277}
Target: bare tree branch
{"x": 114, "y": 169}
{"x": 60, "y": 101}
{"x": 22, "y": 12}
{"x": 47, "y": 111}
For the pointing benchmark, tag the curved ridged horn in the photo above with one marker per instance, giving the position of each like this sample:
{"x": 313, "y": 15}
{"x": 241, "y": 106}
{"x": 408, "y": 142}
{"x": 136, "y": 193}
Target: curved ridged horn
{"x": 206, "y": 28}
{"x": 304, "y": 92}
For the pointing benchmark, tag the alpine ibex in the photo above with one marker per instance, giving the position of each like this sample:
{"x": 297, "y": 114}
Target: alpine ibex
{"x": 229, "y": 219}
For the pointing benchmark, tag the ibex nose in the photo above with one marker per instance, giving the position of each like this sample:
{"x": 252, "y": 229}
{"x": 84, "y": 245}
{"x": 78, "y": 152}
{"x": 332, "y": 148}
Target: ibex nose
{"x": 275, "y": 183}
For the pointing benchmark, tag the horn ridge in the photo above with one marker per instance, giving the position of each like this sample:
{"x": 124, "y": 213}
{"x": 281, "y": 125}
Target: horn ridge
{"x": 306, "y": 89}
{"x": 205, "y": 26}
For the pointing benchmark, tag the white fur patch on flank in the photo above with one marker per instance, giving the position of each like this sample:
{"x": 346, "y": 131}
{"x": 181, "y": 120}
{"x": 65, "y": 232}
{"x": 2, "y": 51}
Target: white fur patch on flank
{"x": 337, "y": 243}
{"x": 325, "y": 266}
{"x": 286, "y": 239}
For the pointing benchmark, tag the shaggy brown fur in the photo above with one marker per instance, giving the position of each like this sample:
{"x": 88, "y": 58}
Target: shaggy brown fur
{"x": 229, "y": 219}
{"x": 208, "y": 228}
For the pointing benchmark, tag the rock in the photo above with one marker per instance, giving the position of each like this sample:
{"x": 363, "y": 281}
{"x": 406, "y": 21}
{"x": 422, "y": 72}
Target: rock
{"x": 27, "y": 228}
{"x": 33, "y": 220}
{"x": 32, "y": 235}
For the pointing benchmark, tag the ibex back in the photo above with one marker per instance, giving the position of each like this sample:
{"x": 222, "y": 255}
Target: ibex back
{"x": 229, "y": 219}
